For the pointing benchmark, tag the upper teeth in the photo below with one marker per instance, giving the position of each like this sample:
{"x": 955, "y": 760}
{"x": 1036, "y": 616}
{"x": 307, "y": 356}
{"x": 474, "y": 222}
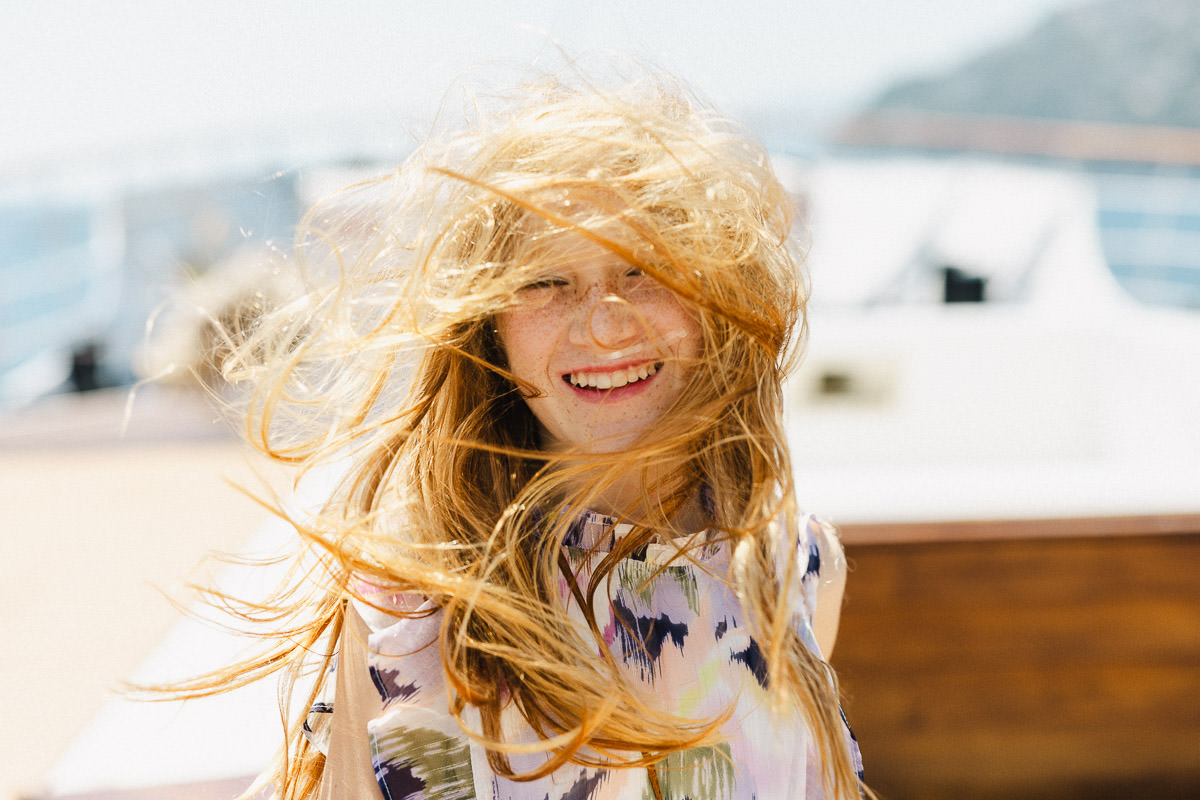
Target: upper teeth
{"x": 612, "y": 380}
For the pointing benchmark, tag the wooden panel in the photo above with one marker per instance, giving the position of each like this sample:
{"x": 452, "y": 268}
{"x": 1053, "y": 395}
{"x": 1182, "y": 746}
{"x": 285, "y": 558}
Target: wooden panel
{"x": 1033, "y": 668}
{"x": 974, "y": 530}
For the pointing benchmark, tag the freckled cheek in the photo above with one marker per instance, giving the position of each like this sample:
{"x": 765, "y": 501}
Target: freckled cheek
{"x": 526, "y": 340}
{"x": 681, "y": 329}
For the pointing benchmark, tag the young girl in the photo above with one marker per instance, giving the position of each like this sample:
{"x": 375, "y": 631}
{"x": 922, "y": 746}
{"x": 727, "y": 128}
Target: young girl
{"x": 564, "y": 559}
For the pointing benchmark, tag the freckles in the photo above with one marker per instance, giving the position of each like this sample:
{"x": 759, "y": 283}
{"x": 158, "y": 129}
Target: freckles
{"x": 527, "y": 341}
{"x": 678, "y": 330}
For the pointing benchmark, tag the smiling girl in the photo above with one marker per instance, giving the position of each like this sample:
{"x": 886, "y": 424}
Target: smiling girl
{"x": 565, "y": 559}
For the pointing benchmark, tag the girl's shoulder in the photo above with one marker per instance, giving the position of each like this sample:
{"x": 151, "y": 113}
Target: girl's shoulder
{"x": 821, "y": 547}
{"x": 381, "y": 607}
{"x": 824, "y": 579}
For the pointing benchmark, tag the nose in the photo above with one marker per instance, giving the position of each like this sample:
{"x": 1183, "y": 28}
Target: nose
{"x": 605, "y": 319}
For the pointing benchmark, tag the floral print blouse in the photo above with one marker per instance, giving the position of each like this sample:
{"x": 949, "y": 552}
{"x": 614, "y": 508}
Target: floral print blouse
{"x": 679, "y": 633}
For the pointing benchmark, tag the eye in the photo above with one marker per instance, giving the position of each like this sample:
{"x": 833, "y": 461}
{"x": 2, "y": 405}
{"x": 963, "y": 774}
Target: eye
{"x": 540, "y": 292}
{"x": 543, "y": 283}
{"x": 634, "y": 279}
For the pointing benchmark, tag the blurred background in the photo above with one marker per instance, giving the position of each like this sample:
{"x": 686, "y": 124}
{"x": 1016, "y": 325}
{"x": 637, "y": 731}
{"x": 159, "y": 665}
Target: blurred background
{"x": 1000, "y": 403}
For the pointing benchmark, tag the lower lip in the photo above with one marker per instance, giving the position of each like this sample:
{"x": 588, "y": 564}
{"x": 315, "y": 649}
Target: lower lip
{"x": 612, "y": 395}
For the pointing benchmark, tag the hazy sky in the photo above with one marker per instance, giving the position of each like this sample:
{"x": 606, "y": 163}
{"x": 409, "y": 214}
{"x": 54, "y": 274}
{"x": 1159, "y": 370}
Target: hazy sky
{"x": 85, "y": 77}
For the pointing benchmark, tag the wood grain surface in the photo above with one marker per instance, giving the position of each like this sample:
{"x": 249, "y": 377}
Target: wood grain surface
{"x": 1059, "y": 664}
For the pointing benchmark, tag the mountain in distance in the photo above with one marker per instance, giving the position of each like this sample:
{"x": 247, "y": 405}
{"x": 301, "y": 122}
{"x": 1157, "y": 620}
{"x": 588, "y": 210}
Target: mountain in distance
{"x": 1111, "y": 61}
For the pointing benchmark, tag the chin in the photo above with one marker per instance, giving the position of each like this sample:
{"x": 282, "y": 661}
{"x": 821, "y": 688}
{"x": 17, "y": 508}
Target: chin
{"x": 597, "y": 444}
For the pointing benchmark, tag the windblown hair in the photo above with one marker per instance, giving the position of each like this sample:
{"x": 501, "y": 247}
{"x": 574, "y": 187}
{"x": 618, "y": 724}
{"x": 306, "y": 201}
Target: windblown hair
{"x": 392, "y": 364}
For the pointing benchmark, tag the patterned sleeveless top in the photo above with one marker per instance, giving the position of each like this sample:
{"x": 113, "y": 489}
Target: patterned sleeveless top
{"x": 678, "y": 632}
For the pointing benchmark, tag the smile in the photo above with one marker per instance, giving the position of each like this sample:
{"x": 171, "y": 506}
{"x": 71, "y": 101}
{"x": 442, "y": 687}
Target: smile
{"x": 614, "y": 379}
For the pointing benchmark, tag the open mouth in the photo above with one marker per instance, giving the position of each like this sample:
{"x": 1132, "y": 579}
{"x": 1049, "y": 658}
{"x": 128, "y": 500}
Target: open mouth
{"x": 600, "y": 381}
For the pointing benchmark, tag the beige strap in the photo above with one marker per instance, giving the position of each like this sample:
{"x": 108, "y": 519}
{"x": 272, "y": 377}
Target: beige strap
{"x": 348, "y": 773}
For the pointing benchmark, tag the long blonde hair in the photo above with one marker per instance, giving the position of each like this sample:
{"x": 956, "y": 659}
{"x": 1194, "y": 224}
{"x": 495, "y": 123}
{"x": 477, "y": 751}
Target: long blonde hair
{"x": 392, "y": 364}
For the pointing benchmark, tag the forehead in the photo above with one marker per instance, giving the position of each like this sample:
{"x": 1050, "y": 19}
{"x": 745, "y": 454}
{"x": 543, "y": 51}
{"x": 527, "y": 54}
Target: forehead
{"x": 582, "y": 230}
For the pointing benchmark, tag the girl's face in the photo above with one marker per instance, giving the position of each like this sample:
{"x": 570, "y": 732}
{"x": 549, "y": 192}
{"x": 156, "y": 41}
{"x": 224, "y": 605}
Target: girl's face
{"x": 608, "y": 349}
